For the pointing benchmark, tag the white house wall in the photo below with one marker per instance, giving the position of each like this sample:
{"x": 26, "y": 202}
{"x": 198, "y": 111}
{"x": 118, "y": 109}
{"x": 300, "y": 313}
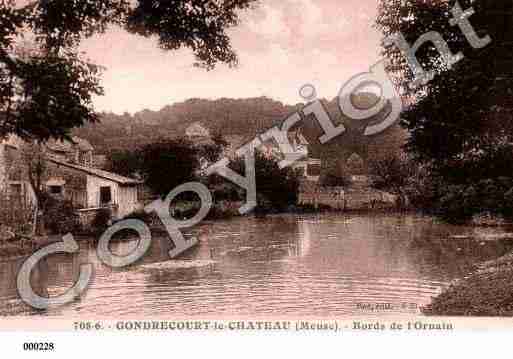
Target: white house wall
{"x": 125, "y": 197}
{"x": 93, "y": 190}
{"x": 128, "y": 200}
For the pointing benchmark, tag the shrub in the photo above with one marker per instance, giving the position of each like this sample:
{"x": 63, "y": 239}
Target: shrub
{"x": 452, "y": 206}
{"x": 101, "y": 220}
{"x": 492, "y": 195}
{"x": 227, "y": 192}
{"x": 60, "y": 217}
{"x": 336, "y": 180}
{"x": 277, "y": 188}
{"x": 16, "y": 216}
{"x": 143, "y": 216}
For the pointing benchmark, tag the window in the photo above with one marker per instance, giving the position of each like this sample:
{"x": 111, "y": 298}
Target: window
{"x": 105, "y": 196}
{"x": 55, "y": 190}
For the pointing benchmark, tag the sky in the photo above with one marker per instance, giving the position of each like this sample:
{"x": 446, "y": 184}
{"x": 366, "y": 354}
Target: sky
{"x": 282, "y": 45}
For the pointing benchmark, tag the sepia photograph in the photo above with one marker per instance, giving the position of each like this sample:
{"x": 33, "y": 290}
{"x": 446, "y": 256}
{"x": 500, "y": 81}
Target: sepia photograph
{"x": 230, "y": 166}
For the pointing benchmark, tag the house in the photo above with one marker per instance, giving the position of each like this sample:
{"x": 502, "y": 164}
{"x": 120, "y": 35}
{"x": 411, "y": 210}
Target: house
{"x": 91, "y": 189}
{"x": 308, "y": 168}
{"x": 14, "y": 185}
{"x": 199, "y": 136}
{"x": 69, "y": 175}
{"x": 76, "y": 150}
{"x": 197, "y": 133}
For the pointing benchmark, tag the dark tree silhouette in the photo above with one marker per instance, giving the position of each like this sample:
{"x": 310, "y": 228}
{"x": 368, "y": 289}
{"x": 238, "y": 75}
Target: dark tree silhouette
{"x": 125, "y": 162}
{"x": 276, "y": 188}
{"x": 393, "y": 174}
{"x": 463, "y": 108}
{"x": 168, "y": 164}
{"x": 460, "y": 122}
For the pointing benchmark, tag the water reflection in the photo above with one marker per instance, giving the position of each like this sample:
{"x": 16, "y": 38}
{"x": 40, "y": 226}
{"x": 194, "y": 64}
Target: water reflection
{"x": 320, "y": 266}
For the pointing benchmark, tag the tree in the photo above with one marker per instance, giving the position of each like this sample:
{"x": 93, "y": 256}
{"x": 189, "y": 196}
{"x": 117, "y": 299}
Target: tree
{"x": 168, "y": 164}
{"x": 46, "y": 94}
{"x": 333, "y": 179}
{"x": 276, "y": 188}
{"x": 126, "y": 163}
{"x": 213, "y": 151}
{"x": 45, "y": 88}
{"x": 16, "y": 213}
{"x": 394, "y": 174}
{"x": 33, "y": 159}
{"x": 464, "y": 108}
{"x": 197, "y": 24}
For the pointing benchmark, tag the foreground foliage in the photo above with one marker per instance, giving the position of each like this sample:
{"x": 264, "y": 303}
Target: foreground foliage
{"x": 459, "y": 122}
{"x": 47, "y": 87}
{"x": 484, "y": 293}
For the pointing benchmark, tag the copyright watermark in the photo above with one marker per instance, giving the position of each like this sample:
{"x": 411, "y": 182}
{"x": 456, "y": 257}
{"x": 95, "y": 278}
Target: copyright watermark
{"x": 314, "y": 109}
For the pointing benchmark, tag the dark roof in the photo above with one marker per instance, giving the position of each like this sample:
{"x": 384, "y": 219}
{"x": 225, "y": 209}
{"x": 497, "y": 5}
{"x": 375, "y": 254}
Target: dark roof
{"x": 97, "y": 172}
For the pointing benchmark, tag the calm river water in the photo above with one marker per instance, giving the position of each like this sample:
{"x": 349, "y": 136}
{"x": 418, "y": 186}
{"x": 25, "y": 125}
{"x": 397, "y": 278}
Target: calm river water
{"x": 281, "y": 266}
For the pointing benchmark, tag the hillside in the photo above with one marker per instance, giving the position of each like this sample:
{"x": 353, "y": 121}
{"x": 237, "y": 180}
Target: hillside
{"x": 241, "y": 119}
{"x": 230, "y": 117}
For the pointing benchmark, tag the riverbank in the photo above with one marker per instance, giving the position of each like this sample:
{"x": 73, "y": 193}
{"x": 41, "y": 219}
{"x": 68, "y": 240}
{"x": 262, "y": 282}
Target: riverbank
{"x": 379, "y": 256}
{"x": 24, "y": 248}
{"x": 224, "y": 210}
{"x": 486, "y": 292}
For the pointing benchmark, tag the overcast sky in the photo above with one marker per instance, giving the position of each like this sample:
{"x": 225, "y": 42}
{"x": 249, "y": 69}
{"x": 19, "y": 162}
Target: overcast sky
{"x": 282, "y": 44}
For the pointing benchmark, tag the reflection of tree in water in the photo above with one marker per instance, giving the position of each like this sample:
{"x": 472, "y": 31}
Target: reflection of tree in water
{"x": 451, "y": 254}
{"x": 10, "y": 303}
{"x": 8, "y": 272}
{"x": 263, "y": 259}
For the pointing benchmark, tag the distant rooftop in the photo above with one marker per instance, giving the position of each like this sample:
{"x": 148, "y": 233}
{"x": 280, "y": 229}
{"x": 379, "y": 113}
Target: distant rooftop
{"x": 197, "y": 130}
{"x": 68, "y": 146}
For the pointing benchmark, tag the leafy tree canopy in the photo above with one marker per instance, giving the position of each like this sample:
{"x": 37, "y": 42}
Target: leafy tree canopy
{"x": 463, "y": 109}
{"x": 46, "y": 91}
{"x": 277, "y": 188}
{"x": 168, "y": 164}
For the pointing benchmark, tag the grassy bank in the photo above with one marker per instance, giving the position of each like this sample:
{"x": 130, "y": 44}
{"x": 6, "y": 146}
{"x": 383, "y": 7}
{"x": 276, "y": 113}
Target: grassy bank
{"x": 486, "y": 292}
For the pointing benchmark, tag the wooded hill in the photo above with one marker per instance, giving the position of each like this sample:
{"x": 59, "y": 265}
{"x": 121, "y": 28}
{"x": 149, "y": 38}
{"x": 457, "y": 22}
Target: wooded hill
{"x": 243, "y": 118}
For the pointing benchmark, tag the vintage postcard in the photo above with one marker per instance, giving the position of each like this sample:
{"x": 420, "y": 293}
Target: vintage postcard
{"x": 255, "y": 166}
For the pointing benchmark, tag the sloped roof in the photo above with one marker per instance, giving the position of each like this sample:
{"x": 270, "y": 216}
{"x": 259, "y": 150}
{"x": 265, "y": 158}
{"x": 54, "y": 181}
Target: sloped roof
{"x": 96, "y": 172}
{"x": 68, "y": 146}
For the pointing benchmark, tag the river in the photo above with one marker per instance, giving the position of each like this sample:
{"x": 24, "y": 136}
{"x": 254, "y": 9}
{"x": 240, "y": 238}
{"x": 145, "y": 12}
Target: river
{"x": 320, "y": 266}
